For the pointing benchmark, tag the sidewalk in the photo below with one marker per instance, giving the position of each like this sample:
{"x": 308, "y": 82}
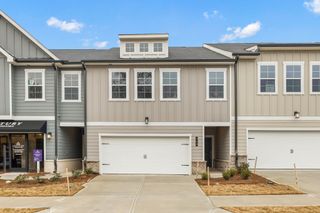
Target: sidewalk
{"x": 266, "y": 200}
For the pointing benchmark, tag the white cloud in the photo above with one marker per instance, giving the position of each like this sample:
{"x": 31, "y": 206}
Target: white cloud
{"x": 211, "y": 14}
{"x": 313, "y": 5}
{"x": 72, "y": 26}
{"x": 238, "y": 32}
{"x": 100, "y": 44}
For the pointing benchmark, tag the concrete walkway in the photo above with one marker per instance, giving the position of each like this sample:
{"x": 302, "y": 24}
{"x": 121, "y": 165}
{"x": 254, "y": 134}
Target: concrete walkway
{"x": 266, "y": 200}
{"x": 127, "y": 194}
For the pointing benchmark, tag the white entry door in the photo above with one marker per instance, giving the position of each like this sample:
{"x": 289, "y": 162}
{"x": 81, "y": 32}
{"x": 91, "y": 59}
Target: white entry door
{"x": 145, "y": 155}
{"x": 283, "y": 149}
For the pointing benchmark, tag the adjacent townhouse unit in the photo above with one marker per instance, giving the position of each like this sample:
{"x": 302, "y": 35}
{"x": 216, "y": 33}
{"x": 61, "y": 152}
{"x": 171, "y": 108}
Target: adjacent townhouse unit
{"x": 149, "y": 108}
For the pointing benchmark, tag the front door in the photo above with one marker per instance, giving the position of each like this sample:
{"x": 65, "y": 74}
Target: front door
{"x": 208, "y": 151}
{"x": 19, "y": 157}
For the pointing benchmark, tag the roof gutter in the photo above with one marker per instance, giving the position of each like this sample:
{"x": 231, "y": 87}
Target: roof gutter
{"x": 84, "y": 154}
{"x": 55, "y": 116}
{"x": 236, "y": 111}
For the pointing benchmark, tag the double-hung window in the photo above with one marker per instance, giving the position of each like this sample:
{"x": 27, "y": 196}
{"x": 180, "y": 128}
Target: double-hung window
{"x": 216, "y": 84}
{"x": 129, "y": 47}
{"x": 267, "y": 77}
{"x": 35, "y": 84}
{"x": 144, "y": 47}
{"x": 169, "y": 84}
{"x": 119, "y": 84}
{"x": 315, "y": 77}
{"x": 293, "y": 77}
{"x": 157, "y": 47}
{"x": 144, "y": 84}
{"x": 71, "y": 86}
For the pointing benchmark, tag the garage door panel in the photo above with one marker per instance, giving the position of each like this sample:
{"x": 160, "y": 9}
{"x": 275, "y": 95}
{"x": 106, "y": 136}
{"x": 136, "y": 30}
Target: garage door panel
{"x": 145, "y": 155}
{"x": 283, "y": 149}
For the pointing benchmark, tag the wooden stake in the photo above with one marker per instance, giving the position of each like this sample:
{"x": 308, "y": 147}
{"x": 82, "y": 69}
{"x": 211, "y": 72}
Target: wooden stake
{"x": 197, "y": 169}
{"x": 295, "y": 172}
{"x": 68, "y": 183}
{"x": 255, "y": 165}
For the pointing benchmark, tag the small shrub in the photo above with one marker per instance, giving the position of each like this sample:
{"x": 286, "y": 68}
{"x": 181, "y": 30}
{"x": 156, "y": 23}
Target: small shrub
{"x": 76, "y": 173}
{"x": 204, "y": 176}
{"x": 89, "y": 171}
{"x": 226, "y": 174}
{"x": 38, "y": 179}
{"x": 20, "y": 178}
{"x": 55, "y": 177}
{"x": 243, "y": 166}
{"x": 233, "y": 171}
{"x": 245, "y": 174}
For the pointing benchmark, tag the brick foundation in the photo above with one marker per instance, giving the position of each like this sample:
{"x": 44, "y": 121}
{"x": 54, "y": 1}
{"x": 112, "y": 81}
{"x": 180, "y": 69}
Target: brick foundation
{"x": 198, "y": 167}
{"x": 241, "y": 159}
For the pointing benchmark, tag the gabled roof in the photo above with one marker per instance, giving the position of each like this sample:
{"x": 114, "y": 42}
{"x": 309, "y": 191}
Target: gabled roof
{"x": 28, "y": 35}
{"x": 113, "y": 55}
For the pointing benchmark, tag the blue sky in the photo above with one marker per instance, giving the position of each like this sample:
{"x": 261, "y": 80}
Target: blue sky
{"x": 96, "y": 23}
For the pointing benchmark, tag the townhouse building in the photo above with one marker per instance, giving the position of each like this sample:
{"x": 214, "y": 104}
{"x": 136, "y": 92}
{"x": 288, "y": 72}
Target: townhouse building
{"x": 149, "y": 108}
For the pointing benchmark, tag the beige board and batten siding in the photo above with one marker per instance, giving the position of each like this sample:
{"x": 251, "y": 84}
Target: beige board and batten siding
{"x": 193, "y": 106}
{"x": 94, "y": 131}
{"x": 244, "y": 126}
{"x": 250, "y": 103}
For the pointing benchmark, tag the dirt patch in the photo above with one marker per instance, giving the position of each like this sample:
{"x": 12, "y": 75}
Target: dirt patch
{"x": 255, "y": 185}
{"x": 274, "y": 209}
{"x": 253, "y": 179}
{"x": 21, "y": 210}
{"x": 46, "y": 188}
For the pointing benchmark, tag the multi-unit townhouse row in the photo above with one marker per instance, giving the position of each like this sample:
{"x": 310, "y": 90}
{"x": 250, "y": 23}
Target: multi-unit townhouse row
{"x": 146, "y": 107}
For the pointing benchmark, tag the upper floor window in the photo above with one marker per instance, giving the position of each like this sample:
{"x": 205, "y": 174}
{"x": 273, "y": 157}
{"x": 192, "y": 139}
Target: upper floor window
{"x": 144, "y": 84}
{"x": 144, "y": 47}
{"x": 157, "y": 47}
{"x": 71, "y": 86}
{"x": 315, "y": 77}
{"x": 267, "y": 75}
{"x": 293, "y": 77}
{"x": 118, "y": 84}
{"x": 129, "y": 47}
{"x": 169, "y": 84}
{"x": 216, "y": 84}
{"x": 35, "y": 84}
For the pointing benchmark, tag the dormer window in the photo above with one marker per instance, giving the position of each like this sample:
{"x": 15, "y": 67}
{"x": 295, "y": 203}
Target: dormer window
{"x": 129, "y": 47}
{"x": 144, "y": 47}
{"x": 157, "y": 47}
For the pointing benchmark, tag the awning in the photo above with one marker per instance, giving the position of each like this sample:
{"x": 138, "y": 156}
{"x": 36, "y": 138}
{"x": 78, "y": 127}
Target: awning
{"x": 23, "y": 126}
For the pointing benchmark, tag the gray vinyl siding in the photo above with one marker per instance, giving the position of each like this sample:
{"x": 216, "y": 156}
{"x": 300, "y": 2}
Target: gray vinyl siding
{"x": 243, "y": 126}
{"x": 32, "y": 108}
{"x": 16, "y": 43}
{"x": 4, "y": 86}
{"x": 71, "y": 111}
{"x": 253, "y": 104}
{"x": 193, "y": 106}
{"x": 69, "y": 143}
{"x": 93, "y": 137}
{"x": 50, "y": 143}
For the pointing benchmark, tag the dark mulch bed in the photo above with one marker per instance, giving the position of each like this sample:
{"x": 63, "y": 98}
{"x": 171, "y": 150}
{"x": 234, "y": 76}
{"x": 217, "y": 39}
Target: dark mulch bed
{"x": 253, "y": 179}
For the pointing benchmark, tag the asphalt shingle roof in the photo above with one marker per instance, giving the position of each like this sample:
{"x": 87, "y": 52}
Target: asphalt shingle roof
{"x": 113, "y": 54}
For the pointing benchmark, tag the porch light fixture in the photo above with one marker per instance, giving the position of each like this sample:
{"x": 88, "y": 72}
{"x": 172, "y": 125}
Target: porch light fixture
{"x": 146, "y": 120}
{"x": 296, "y": 114}
{"x": 49, "y": 135}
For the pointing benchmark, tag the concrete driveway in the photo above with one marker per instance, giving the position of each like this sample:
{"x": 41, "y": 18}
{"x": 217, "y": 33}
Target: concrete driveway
{"x": 308, "y": 181}
{"x": 138, "y": 194}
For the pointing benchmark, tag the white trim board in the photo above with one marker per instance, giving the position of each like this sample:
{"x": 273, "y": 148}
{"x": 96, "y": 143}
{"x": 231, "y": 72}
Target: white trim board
{"x": 136, "y": 71}
{"x": 169, "y": 70}
{"x": 43, "y": 85}
{"x": 267, "y": 63}
{"x": 28, "y": 35}
{"x": 213, "y": 124}
{"x": 10, "y": 58}
{"x": 29, "y": 118}
{"x": 312, "y": 63}
{"x": 293, "y": 63}
{"x": 277, "y": 118}
{"x": 63, "y": 73}
{"x": 71, "y": 124}
{"x": 220, "y": 51}
{"x": 113, "y": 70}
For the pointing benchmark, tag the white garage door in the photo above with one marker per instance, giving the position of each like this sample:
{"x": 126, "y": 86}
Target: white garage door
{"x": 281, "y": 149}
{"x": 145, "y": 155}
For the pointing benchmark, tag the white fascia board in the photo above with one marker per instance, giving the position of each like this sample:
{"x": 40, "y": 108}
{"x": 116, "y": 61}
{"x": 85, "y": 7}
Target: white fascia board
{"x": 277, "y": 118}
{"x": 71, "y": 124}
{"x": 212, "y": 124}
{"x": 220, "y": 51}
{"x": 28, "y": 35}
{"x": 143, "y": 36}
{"x": 10, "y": 58}
{"x": 252, "y": 49}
